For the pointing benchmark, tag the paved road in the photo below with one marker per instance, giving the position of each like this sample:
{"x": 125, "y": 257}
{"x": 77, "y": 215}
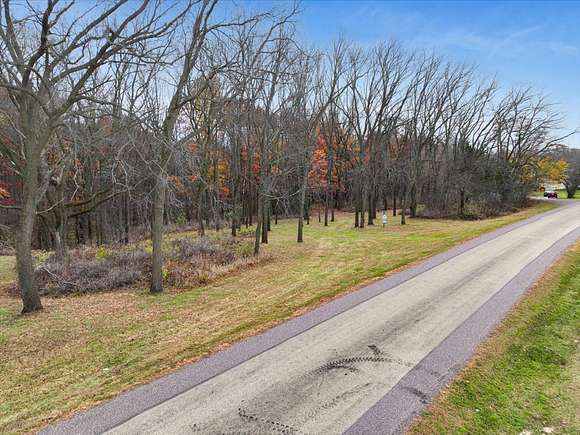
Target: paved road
{"x": 365, "y": 365}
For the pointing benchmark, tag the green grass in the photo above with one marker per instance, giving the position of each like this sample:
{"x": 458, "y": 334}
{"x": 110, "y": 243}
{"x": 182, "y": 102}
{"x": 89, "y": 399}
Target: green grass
{"x": 527, "y": 375}
{"x": 88, "y": 348}
{"x": 562, "y": 194}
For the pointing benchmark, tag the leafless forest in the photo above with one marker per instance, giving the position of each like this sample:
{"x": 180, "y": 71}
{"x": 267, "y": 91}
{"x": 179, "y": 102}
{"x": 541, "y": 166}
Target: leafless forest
{"x": 130, "y": 117}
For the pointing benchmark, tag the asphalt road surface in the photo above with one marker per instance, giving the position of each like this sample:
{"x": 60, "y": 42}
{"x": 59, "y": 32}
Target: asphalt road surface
{"x": 366, "y": 363}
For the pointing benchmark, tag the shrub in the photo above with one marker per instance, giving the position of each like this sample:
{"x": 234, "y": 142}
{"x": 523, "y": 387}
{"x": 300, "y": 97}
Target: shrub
{"x": 246, "y": 232}
{"x": 217, "y": 251}
{"x": 103, "y": 253}
{"x": 181, "y": 220}
{"x": 185, "y": 248}
{"x": 198, "y": 261}
{"x": 189, "y": 261}
{"x": 246, "y": 249}
{"x": 88, "y": 271}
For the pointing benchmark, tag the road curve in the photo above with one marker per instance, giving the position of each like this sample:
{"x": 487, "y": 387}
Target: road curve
{"x": 365, "y": 363}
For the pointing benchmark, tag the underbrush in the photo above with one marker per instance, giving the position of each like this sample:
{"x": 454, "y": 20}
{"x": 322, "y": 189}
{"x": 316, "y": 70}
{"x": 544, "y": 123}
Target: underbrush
{"x": 472, "y": 211}
{"x": 189, "y": 261}
{"x": 200, "y": 261}
{"x": 89, "y": 270}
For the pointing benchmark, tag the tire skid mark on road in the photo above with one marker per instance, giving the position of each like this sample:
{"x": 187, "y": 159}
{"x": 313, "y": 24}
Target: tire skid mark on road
{"x": 337, "y": 400}
{"x": 366, "y": 365}
{"x": 269, "y": 424}
{"x": 325, "y": 378}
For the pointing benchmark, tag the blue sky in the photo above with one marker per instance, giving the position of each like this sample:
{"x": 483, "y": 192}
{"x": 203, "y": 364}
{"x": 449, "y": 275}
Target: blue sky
{"x": 531, "y": 43}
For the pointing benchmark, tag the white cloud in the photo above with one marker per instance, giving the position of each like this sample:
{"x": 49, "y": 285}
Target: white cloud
{"x": 522, "y": 42}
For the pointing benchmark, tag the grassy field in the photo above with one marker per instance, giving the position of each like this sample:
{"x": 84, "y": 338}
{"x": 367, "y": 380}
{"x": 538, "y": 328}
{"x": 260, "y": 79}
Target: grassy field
{"x": 526, "y": 377}
{"x": 84, "y": 349}
{"x": 561, "y": 194}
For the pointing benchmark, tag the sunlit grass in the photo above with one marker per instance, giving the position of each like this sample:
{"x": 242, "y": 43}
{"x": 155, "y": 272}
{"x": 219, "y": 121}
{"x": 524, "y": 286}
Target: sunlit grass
{"x": 84, "y": 349}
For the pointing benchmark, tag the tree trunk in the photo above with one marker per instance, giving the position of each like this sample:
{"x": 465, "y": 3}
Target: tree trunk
{"x": 302, "y": 206}
{"x": 60, "y": 238}
{"x": 363, "y": 207}
{"x": 234, "y": 227}
{"x": 127, "y": 213}
{"x": 326, "y": 205}
{"x": 404, "y": 207}
{"x": 258, "y": 227}
{"x": 201, "y": 230}
{"x": 102, "y": 225}
{"x": 413, "y": 205}
{"x": 571, "y": 189}
{"x": 246, "y": 210}
{"x": 90, "y": 226}
{"x": 300, "y": 237}
{"x": 371, "y": 210}
{"x": 157, "y": 235}
{"x": 235, "y": 210}
{"x": 79, "y": 231}
{"x": 264, "y": 222}
{"x": 24, "y": 263}
{"x": 250, "y": 209}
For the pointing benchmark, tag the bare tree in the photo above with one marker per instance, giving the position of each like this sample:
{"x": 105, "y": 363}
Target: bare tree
{"x": 317, "y": 85}
{"x": 108, "y": 109}
{"x": 46, "y": 64}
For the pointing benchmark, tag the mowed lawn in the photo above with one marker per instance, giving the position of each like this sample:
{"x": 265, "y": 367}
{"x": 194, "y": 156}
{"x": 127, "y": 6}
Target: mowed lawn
{"x": 84, "y": 349}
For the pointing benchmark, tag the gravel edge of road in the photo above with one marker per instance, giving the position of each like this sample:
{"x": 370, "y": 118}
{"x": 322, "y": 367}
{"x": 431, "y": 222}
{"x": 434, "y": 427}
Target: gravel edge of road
{"x": 125, "y": 406}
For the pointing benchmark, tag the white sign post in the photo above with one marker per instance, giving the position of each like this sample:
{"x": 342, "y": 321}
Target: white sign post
{"x": 384, "y": 218}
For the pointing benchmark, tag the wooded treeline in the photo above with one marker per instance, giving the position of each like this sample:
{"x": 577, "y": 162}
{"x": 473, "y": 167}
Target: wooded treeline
{"x": 133, "y": 116}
